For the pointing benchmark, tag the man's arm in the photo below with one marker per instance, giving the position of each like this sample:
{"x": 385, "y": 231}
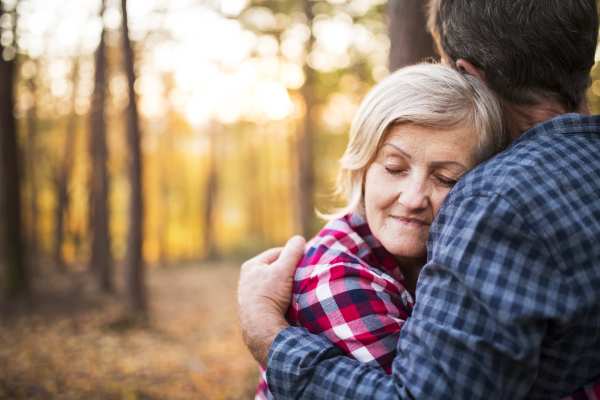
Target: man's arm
{"x": 307, "y": 366}
{"x": 483, "y": 302}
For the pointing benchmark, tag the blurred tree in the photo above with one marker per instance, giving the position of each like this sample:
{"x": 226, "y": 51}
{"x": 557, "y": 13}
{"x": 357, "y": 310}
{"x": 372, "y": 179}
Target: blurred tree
{"x": 64, "y": 175}
{"x": 101, "y": 256}
{"x": 16, "y": 276}
{"x": 410, "y": 41}
{"x": 135, "y": 293}
{"x": 305, "y": 195}
{"x": 32, "y": 134}
{"x": 210, "y": 194}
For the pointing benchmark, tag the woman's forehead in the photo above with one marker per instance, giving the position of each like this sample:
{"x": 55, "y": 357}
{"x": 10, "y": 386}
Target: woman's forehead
{"x": 423, "y": 134}
{"x": 412, "y": 140}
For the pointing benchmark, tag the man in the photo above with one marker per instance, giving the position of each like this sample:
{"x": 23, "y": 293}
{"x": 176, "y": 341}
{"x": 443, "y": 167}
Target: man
{"x": 508, "y": 305}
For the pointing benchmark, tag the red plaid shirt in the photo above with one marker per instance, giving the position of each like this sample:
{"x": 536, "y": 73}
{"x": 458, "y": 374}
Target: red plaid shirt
{"x": 349, "y": 289}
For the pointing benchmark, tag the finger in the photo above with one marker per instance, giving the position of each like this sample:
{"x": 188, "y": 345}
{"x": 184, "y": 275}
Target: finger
{"x": 268, "y": 257}
{"x": 291, "y": 254}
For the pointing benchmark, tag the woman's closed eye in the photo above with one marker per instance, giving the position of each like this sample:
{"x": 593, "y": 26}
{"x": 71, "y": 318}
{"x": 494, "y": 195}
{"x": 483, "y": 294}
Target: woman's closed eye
{"x": 446, "y": 182}
{"x": 394, "y": 171}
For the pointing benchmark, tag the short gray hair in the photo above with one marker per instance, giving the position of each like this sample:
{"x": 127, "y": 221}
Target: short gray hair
{"x": 428, "y": 95}
{"x": 528, "y": 49}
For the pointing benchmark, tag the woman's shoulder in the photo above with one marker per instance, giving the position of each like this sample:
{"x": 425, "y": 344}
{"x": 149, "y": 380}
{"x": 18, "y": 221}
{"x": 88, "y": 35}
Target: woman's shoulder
{"x": 345, "y": 241}
{"x": 345, "y": 262}
{"x": 340, "y": 240}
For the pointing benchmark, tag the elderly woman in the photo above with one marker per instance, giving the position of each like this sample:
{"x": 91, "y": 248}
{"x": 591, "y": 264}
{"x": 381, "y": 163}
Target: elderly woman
{"x": 415, "y": 135}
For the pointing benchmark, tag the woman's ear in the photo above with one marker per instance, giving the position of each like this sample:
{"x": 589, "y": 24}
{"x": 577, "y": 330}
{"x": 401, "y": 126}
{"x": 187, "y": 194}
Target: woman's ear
{"x": 470, "y": 69}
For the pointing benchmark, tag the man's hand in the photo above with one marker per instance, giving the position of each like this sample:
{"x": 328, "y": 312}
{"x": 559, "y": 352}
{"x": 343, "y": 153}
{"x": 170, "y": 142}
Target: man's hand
{"x": 264, "y": 295}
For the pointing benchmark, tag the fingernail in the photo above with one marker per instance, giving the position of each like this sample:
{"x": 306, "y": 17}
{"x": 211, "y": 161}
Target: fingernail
{"x": 297, "y": 241}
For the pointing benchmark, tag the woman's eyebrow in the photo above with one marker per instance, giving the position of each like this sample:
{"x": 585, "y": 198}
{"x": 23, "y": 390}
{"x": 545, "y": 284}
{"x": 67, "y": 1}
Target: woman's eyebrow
{"x": 442, "y": 163}
{"x": 405, "y": 154}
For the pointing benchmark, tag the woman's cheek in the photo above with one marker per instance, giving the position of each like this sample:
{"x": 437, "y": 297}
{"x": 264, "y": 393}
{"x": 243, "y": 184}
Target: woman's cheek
{"x": 438, "y": 198}
{"x": 388, "y": 187}
{"x": 378, "y": 197}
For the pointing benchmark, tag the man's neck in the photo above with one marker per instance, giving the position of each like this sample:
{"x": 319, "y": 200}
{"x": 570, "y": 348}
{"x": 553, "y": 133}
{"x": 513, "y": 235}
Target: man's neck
{"x": 520, "y": 118}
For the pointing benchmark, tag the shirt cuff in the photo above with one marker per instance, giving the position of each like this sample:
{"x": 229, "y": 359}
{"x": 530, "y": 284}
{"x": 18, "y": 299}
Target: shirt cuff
{"x": 292, "y": 359}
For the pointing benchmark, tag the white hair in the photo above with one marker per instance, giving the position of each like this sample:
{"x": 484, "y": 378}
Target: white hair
{"x": 428, "y": 95}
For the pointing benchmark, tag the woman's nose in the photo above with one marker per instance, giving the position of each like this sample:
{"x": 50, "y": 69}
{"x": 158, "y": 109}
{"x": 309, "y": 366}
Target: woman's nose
{"x": 414, "y": 196}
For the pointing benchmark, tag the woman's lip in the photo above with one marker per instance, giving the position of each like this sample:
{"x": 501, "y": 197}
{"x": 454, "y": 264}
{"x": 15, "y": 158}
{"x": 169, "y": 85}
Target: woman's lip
{"x": 411, "y": 222}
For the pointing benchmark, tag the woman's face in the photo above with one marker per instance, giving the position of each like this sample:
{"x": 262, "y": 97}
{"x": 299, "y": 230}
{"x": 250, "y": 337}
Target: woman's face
{"x": 405, "y": 186}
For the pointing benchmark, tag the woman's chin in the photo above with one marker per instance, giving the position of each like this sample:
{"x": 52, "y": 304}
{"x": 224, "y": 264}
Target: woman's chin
{"x": 408, "y": 250}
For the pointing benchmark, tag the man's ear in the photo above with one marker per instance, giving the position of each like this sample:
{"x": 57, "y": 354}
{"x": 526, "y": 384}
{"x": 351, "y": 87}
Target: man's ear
{"x": 470, "y": 69}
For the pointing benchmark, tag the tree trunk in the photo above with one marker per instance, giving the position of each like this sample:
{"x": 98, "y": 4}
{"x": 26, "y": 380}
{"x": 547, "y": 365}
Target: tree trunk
{"x": 163, "y": 236}
{"x": 211, "y": 195}
{"x": 411, "y": 43}
{"x": 304, "y": 198}
{"x": 253, "y": 186}
{"x": 135, "y": 292}
{"x": 101, "y": 259}
{"x": 17, "y": 283}
{"x": 64, "y": 176}
{"x": 33, "y": 249}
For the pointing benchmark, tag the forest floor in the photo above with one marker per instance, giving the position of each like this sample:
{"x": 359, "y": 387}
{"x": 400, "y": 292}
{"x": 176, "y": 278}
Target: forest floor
{"x": 68, "y": 344}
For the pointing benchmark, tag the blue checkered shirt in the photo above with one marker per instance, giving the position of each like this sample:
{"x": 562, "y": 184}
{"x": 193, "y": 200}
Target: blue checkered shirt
{"x": 508, "y": 305}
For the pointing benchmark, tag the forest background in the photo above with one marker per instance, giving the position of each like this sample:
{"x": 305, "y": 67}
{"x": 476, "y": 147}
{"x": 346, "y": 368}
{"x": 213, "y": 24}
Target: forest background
{"x": 146, "y": 153}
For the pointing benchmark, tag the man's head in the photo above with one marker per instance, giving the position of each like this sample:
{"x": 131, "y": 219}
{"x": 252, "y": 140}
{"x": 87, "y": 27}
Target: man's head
{"x": 528, "y": 50}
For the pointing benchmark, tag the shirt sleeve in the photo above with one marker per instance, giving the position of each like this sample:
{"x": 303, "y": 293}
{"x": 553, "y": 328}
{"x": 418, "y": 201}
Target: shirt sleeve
{"x": 482, "y": 307}
{"x": 358, "y": 309}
